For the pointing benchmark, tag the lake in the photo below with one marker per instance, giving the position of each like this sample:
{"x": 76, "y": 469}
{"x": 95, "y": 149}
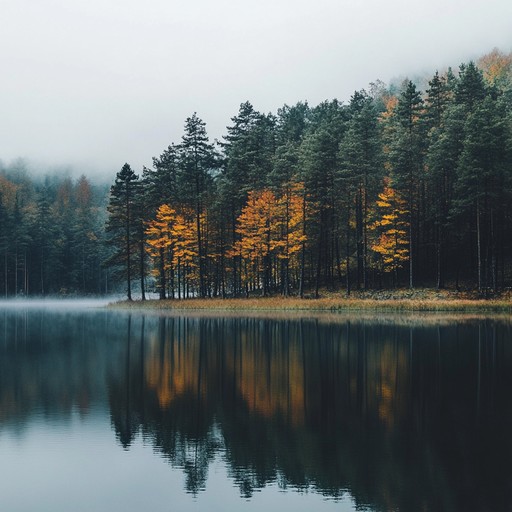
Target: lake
{"x": 107, "y": 411}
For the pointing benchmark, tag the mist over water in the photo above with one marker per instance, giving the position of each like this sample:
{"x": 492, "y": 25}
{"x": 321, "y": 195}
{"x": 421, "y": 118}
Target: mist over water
{"x": 58, "y": 304}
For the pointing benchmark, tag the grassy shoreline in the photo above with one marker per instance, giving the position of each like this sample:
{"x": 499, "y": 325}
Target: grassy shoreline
{"x": 394, "y": 302}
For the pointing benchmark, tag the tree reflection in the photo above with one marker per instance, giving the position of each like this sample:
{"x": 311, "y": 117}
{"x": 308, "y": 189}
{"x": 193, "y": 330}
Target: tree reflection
{"x": 386, "y": 412}
{"x": 401, "y": 416}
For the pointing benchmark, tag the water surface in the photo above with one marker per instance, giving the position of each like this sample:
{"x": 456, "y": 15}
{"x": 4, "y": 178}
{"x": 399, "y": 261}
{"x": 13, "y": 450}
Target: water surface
{"x": 103, "y": 411}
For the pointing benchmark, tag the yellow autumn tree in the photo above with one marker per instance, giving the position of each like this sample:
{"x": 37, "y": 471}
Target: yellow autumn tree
{"x": 185, "y": 253}
{"x": 496, "y": 66}
{"x": 160, "y": 242}
{"x": 259, "y": 228}
{"x": 172, "y": 246}
{"x": 272, "y": 235}
{"x": 390, "y": 230}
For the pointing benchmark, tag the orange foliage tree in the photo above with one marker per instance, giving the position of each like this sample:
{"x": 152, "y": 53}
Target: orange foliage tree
{"x": 186, "y": 253}
{"x": 391, "y": 230}
{"x": 496, "y": 66}
{"x": 160, "y": 241}
{"x": 172, "y": 245}
{"x": 271, "y": 231}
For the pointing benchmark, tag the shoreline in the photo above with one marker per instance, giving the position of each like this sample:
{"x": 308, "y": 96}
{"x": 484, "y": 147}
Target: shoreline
{"x": 327, "y": 304}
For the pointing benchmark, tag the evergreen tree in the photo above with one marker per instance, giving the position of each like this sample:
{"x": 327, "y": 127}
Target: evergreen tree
{"x": 248, "y": 151}
{"x": 4, "y": 237}
{"x": 319, "y": 161}
{"x": 46, "y": 234}
{"x": 361, "y": 172}
{"x": 292, "y": 123}
{"x": 437, "y": 100}
{"x": 470, "y": 87}
{"x": 161, "y": 182}
{"x": 440, "y": 171}
{"x": 197, "y": 163}
{"x": 406, "y": 158}
{"x": 20, "y": 243}
{"x": 122, "y": 224}
{"x": 480, "y": 182}
{"x": 445, "y": 146}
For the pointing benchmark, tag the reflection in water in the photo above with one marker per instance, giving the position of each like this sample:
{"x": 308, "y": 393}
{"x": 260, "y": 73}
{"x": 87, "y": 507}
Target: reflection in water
{"x": 403, "y": 417}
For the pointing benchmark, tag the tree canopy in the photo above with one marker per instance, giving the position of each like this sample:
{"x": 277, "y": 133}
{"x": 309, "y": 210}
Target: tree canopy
{"x": 398, "y": 187}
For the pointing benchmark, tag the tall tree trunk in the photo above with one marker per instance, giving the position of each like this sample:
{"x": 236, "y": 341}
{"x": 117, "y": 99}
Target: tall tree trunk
{"x": 359, "y": 236}
{"x": 319, "y": 257}
{"x": 365, "y": 232}
{"x": 42, "y": 269}
{"x": 128, "y": 248}
{"x": 16, "y": 271}
{"x": 347, "y": 254}
{"x": 200, "y": 252}
{"x": 410, "y": 253}
{"x": 478, "y": 246}
{"x": 439, "y": 257}
{"x": 162, "y": 274}
{"x": 6, "y": 288}
{"x": 142, "y": 268}
{"x": 303, "y": 247}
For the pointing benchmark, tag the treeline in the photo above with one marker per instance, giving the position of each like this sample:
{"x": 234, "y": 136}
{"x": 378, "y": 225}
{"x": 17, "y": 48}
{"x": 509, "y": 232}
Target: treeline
{"x": 398, "y": 187}
{"x": 51, "y": 235}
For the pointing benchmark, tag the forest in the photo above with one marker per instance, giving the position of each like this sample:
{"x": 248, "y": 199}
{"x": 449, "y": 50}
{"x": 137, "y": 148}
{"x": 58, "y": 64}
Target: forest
{"x": 406, "y": 185}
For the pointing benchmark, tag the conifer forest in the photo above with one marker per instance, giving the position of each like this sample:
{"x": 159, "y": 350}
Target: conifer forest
{"x": 407, "y": 185}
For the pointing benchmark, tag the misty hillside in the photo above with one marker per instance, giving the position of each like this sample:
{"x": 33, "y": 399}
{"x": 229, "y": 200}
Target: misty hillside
{"x": 404, "y": 185}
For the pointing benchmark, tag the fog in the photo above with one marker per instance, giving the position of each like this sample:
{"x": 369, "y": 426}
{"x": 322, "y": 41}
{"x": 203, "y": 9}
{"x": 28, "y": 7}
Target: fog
{"x": 57, "y": 304}
{"x": 95, "y": 84}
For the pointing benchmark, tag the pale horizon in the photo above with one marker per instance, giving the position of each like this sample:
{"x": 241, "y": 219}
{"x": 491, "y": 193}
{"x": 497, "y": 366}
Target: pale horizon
{"x": 88, "y": 87}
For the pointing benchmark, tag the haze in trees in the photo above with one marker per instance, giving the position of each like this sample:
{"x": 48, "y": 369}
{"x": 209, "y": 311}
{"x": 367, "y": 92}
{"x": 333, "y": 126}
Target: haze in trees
{"x": 398, "y": 187}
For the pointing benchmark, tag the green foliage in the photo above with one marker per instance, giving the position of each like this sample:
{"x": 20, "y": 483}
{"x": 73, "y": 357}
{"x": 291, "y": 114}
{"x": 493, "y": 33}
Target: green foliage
{"x": 123, "y": 225}
{"x": 447, "y": 153}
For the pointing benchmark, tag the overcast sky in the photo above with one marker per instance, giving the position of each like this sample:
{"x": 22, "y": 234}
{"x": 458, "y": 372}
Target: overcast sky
{"x": 96, "y": 83}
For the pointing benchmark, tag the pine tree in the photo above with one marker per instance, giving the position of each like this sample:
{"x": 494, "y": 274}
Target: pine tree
{"x": 161, "y": 182}
{"x": 4, "y": 234}
{"x": 319, "y": 162}
{"x": 248, "y": 150}
{"x": 361, "y": 172}
{"x": 406, "y": 157}
{"x": 480, "y": 181}
{"x": 445, "y": 146}
{"x": 470, "y": 87}
{"x": 197, "y": 163}
{"x": 46, "y": 234}
{"x": 440, "y": 174}
{"x": 291, "y": 123}
{"x": 122, "y": 224}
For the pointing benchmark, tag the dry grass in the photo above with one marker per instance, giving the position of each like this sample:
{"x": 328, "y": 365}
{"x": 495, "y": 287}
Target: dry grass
{"x": 417, "y": 301}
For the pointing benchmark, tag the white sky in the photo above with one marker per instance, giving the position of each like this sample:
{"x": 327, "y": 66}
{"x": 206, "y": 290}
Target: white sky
{"x": 96, "y": 83}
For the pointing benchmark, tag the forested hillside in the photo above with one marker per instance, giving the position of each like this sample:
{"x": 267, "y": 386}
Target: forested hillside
{"x": 398, "y": 187}
{"x": 51, "y": 235}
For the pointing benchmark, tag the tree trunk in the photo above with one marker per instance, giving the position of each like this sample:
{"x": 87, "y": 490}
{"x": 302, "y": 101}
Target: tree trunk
{"x": 162, "y": 274}
{"x": 478, "y": 246}
{"x": 303, "y": 247}
{"x": 347, "y": 251}
{"x": 142, "y": 266}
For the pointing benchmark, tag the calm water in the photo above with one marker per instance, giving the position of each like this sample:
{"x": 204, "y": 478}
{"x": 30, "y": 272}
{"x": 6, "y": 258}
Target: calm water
{"x": 103, "y": 411}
